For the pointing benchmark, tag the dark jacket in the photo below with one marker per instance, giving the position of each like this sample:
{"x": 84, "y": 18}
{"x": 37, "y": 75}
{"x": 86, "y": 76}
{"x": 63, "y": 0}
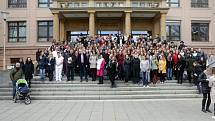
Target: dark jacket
{"x": 29, "y": 70}
{"x": 181, "y": 65}
{"x": 112, "y": 69}
{"x": 51, "y": 64}
{"x": 169, "y": 64}
{"x": 16, "y": 74}
{"x": 204, "y": 83}
{"x": 189, "y": 64}
{"x": 42, "y": 62}
{"x": 79, "y": 59}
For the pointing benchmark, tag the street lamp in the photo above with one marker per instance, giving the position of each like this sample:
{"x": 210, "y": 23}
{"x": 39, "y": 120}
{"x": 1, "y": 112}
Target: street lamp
{"x": 4, "y": 17}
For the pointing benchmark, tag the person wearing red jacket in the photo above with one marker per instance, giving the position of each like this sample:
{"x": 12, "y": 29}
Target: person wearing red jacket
{"x": 175, "y": 61}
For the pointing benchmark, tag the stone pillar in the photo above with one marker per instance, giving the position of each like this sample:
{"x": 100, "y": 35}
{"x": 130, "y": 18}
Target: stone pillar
{"x": 56, "y": 27}
{"x": 127, "y": 23}
{"x": 62, "y": 30}
{"x": 92, "y": 23}
{"x": 163, "y": 26}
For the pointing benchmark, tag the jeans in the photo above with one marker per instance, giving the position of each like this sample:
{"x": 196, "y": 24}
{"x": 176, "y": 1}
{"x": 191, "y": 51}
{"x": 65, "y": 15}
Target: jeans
{"x": 169, "y": 73}
{"x": 145, "y": 77}
{"x": 14, "y": 88}
{"x": 42, "y": 74}
{"x": 206, "y": 100}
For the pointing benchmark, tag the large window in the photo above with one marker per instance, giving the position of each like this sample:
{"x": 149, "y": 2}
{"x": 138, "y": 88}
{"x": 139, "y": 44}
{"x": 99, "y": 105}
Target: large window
{"x": 44, "y": 3}
{"x": 199, "y": 3}
{"x": 200, "y": 31}
{"x": 45, "y": 31}
{"x": 17, "y": 3}
{"x": 17, "y": 31}
{"x": 173, "y": 3}
{"x": 173, "y": 30}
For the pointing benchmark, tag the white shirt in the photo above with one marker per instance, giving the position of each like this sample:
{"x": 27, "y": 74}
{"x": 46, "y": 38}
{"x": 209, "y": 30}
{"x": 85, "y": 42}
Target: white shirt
{"x": 54, "y": 53}
{"x": 59, "y": 62}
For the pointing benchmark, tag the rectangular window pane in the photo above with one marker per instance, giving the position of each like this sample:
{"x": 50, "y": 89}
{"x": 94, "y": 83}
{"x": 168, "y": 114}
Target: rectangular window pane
{"x": 17, "y": 31}
{"x": 200, "y": 32}
{"x": 45, "y": 31}
{"x": 199, "y": 3}
{"x": 173, "y": 3}
{"x": 17, "y": 3}
{"x": 173, "y": 30}
{"x": 44, "y": 3}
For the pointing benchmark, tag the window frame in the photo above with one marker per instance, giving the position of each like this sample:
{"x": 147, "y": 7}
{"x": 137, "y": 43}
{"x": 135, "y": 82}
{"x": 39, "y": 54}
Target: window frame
{"x": 48, "y": 3}
{"x": 198, "y": 4}
{"x": 200, "y": 24}
{"x": 17, "y": 34}
{"x": 170, "y": 32}
{"x": 169, "y": 3}
{"x": 18, "y": 4}
{"x": 47, "y": 37}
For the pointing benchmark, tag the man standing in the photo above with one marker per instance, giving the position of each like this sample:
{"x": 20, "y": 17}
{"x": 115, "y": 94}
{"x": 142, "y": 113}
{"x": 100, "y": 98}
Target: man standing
{"x": 59, "y": 66}
{"x": 15, "y": 75}
{"x": 82, "y": 63}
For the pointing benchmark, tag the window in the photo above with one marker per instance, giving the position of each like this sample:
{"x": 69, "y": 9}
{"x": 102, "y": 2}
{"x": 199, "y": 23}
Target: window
{"x": 173, "y": 30}
{"x": 200, "y": 31}
{"x": 45, "y": 31}
{"x": 173, "y": 3}
{"x": 17, "y": 3}
{"x": 44, "y": 3}
{"x": 17, "y": 31}
{"x": 199, "y": 3}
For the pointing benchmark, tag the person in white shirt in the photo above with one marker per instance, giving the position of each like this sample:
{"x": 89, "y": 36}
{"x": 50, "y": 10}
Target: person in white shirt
{"x": 59, "y": 66}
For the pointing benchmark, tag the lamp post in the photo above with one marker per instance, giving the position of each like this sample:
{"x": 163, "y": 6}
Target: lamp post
{"x": 4, "y": 17}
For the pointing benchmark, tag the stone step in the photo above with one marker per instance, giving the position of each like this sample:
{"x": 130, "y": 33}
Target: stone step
{"x": 44, "y": 85}
{"x": 146, "y": 92}
{"x": 105, "y": 88}
{"x": 110, "y": 97}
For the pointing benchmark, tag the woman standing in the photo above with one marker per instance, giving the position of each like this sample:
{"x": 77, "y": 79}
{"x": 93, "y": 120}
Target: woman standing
{"x": 93, "y": 60}
{"x": 100, "y": 68}
{"x": 212, "y": 85}
{"x": 112, "y": 71}
{"x": 127, "y": 68}
{"x": 144, "y": 67}
{"x": 206, "y": 101}
{"x": 154, "y": 69}
{"x": 162, "y": 68}
{"x": 28, "y": 70}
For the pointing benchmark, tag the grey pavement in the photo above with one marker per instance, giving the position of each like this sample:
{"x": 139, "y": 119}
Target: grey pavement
{"x": 142, "y": 110}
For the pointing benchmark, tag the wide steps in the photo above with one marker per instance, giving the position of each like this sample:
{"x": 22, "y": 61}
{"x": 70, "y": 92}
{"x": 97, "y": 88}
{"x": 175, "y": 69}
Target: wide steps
{"x": 76, "y": 90}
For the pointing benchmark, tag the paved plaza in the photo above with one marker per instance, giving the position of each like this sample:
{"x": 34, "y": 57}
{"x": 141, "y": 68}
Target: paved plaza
{"x": 145, "y": 110}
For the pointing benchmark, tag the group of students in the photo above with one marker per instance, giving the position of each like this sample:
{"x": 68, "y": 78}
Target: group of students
{"x": 143, "y": 61}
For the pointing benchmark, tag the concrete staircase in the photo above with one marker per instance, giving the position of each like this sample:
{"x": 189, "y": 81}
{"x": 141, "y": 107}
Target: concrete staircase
{"x": 77, "y": 90}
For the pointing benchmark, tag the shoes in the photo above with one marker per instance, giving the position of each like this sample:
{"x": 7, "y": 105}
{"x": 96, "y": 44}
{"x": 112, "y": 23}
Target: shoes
{"x": 208, "y": 110}
{"x": 203, "y": 110}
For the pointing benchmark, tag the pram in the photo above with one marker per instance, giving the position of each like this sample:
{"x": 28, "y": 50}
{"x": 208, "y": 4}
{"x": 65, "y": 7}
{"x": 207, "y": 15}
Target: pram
{"x": 22, "y": 91}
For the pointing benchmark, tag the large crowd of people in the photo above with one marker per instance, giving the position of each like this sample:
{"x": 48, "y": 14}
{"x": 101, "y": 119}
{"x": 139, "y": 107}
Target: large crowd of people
{"x": 142, "y": 60}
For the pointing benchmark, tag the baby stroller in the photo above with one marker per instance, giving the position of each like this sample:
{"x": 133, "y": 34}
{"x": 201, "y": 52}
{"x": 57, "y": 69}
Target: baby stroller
{"x": 22, "y": 91}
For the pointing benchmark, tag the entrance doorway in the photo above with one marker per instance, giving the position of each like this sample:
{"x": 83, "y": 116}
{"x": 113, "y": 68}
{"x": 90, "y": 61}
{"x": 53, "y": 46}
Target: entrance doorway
{"x": 73, "y": 35}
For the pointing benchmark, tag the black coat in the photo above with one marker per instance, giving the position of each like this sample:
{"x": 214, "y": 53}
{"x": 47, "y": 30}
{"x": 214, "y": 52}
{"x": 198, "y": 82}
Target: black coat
{"x": 127, "y": 66}
{"x": 112, "y": 69}
{"x": 28, "y": 70}
{"x": 204, "y": 83}
{"x": 79, "y": 60}
{"x": 51, "y": 64}
{"x": 136, "y": 67}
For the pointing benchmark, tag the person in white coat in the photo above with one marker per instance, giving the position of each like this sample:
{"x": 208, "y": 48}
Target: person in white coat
{"x": 59, "y": 66}
{"x": 212, "y": 85}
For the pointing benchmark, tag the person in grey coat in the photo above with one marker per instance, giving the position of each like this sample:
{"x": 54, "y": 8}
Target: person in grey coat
{"x": 93, "y": 59}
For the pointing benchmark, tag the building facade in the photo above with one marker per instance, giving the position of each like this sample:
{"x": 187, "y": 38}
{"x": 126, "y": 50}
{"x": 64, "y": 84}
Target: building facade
{"x": 33, "y": 24}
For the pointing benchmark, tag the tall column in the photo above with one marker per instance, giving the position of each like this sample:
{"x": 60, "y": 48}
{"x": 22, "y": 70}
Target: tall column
{"x": 56, "y": 27}
{"x": 127, "y": 23}
{"x": 92, "y": 23}
{"x": 62, "y": 30}
{"x": 128, "y": 3}
{"x": 163, "y": 26}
